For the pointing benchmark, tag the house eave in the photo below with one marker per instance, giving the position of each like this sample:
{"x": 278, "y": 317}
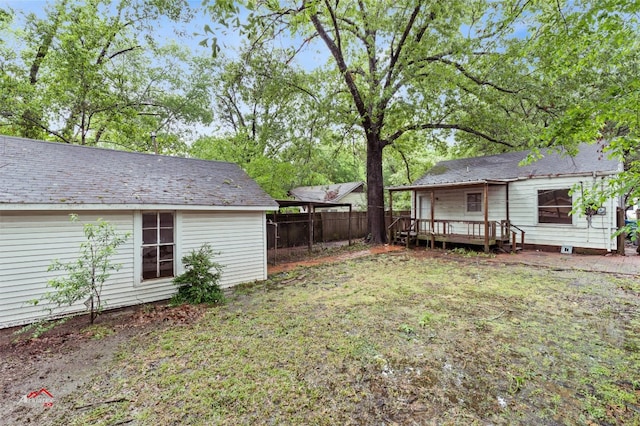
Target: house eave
{"x": 9, "y": 207}
{"x": 443, "y": 185}
{"x": 476, "y": 183}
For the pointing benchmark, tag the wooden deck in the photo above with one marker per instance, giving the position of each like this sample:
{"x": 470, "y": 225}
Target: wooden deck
{"x": 407, "y": 230}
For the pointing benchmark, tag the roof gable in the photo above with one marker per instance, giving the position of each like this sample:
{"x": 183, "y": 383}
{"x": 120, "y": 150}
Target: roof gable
{"x": 506, "y": 167}
{"x": 326, "y": 193}
{"x": 36, "y": 172}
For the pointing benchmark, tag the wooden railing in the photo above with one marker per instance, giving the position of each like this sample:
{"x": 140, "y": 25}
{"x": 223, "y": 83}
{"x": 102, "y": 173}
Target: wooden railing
{"x": 499, "y": 232}
{"x": 514, "y": 234}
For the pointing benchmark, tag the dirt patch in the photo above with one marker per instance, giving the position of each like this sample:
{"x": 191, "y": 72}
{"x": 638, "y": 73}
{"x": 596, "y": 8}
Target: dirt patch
{"x": 67, "y": 357}
{"x": 289, "y": 265}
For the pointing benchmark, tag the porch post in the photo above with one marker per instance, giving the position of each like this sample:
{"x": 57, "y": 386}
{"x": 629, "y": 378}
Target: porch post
{"x": 389, "y": 236}
{"x": 486, "y": 217}
{"x": 310, "y": 221}
{"x": 433, "y": 214}
{"x": 350, "y": 207}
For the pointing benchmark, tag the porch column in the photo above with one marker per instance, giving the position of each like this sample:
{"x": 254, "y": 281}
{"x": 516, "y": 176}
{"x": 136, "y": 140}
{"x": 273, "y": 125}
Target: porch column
{"x": 433, "y": 214}
{"x": 389, "y": 236}
{"x": 310, "y": 214}
{"x": 350, "y": 207}
{"x": 486, "y": 217}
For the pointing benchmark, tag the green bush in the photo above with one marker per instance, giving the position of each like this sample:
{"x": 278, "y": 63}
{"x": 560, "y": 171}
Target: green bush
{"x": 199, "y": 283}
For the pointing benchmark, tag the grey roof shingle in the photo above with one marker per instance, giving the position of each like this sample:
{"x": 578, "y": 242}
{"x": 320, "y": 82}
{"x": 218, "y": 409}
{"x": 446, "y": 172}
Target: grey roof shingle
{"x": 36, "y": 172}
{"x": 506, "y": 167}
{"x": 325, "y": 193}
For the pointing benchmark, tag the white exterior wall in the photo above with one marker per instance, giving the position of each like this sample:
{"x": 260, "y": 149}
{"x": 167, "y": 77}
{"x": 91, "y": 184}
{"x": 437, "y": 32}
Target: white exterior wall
{"x": 451, "y": 204}
{"x": 523, "y": 212}
{"x": 30, "y": 241}
{"x": 523, "y": 198}
{"x": 239, "y": 237}
{"x": 358, "y": 201}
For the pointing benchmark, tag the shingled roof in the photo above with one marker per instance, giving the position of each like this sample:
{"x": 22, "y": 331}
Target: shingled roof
{"x": 505, "y": 167}
{"x": 36, "y": 172}
{"x": 325, "y": 193}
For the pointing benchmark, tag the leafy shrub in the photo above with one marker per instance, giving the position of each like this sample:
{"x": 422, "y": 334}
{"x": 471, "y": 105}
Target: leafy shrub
{"x": 199, "y": 283}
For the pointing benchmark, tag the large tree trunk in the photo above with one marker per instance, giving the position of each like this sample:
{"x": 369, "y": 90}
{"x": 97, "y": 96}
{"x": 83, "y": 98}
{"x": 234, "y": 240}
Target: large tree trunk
{"x": 375, "y": 192}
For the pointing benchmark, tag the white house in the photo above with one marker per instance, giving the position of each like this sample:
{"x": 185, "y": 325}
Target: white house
{"x": 340, "y": 193}
{"x": 493, "y": 200}
{"x": 169, "y": 205}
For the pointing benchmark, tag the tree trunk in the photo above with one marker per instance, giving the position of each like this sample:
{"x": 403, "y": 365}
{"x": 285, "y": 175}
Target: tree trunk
{"x": 375, "y": 191}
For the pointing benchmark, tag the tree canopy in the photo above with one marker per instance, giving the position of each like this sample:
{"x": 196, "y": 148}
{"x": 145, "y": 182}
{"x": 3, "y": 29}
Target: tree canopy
{"x": 412, "y": 71}
{"x": 88, "y": 72}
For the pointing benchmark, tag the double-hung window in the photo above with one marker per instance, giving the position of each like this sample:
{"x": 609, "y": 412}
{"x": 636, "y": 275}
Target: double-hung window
{"x": 474, "y": 202}
{"x": 554, "y": 206}
{"x": 158, "y": 245}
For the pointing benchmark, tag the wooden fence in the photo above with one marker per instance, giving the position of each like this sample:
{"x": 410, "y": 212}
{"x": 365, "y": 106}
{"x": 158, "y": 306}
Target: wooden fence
{"x": 292, "y": 229}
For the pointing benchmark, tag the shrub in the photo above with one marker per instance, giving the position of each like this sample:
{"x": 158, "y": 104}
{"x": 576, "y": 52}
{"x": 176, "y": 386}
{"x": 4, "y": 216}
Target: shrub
{"x": 199, "y": 283}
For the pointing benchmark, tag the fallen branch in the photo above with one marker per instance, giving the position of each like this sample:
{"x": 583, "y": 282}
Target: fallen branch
{"x": 110, "y": 401}
{"x": 493, "y": 318}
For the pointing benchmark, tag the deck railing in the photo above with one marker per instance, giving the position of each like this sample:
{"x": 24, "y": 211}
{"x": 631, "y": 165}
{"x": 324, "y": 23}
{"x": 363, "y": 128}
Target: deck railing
{"x": 499, "y": 231}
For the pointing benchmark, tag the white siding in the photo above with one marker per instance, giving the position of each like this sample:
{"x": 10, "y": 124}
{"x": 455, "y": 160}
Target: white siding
{"x": 28, "y": 245}
{"x": 30, "y": 241}
{"x": 239, "y": 237}
{"x": 523, "y": 212}
{"x": 451, "y": 204}
{"x": 523, "y": 197}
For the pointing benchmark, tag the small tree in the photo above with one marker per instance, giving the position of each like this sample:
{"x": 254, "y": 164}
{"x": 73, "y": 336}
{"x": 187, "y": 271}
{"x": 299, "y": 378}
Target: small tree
{"x": 199, "y": 283}
{"x": 87, "y": 275}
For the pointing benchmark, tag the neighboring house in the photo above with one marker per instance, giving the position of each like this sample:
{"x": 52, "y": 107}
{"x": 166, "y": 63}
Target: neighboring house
{"x": 344, "y": 193}
{"x": 493, "y": 200}
{"x": 169, "y": 205}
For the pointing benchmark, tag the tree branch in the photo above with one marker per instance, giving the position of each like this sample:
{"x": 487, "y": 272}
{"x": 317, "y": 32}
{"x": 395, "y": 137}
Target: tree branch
{"x": 475, "y": 79}
{"x": 443, "y": 126}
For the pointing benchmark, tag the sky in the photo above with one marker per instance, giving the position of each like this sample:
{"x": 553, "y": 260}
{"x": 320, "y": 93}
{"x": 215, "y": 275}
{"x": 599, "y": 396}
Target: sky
{"x": 192, "y": 32}
{"x": 166, "y": 29}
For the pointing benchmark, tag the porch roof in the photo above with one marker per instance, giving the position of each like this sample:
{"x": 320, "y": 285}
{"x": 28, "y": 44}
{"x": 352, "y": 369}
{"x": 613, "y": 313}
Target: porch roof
{"x": 310, "y": 204}
{"x": 469, "y": 184}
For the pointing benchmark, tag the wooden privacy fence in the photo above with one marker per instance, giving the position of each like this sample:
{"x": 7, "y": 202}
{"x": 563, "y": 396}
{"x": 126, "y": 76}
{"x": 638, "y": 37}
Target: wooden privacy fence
{"x": 292, "y": 229}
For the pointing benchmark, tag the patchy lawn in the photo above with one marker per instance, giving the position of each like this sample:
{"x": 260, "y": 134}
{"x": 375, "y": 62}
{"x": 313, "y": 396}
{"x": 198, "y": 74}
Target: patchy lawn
{"x": 386, "y": 339}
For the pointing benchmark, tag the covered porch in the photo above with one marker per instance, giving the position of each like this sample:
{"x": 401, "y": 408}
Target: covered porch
{"x": 485, "y": 202}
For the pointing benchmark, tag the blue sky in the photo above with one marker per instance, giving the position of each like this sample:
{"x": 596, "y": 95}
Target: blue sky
{"x": 192, "y": 32}
{"x": 166, "y": 29}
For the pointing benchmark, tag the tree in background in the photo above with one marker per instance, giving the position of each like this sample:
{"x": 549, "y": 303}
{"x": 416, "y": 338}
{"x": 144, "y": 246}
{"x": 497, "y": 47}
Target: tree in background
{"x": 410, "y": 67}
{"x": 271, "y": 121}
{"x": 589, "y": 57}
{"x": 88, "y": 73}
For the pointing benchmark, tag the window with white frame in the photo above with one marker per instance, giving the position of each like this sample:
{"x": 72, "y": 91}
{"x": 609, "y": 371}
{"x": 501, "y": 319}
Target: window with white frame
{"x": 158, "y": 245}
{"x": 554, "y": 206}
{"x": 474, "y": 202}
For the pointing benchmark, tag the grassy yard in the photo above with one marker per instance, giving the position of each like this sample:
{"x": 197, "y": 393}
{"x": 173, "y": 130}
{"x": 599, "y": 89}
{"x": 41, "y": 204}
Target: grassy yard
{"x": 389, "y": 339}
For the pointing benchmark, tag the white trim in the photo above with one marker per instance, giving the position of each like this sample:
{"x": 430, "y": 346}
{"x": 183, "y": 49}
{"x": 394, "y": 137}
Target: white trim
{"x": 178, "y": 267}
{"x": 265, "y": 266}
{"x": 101, "y": 207}
{"x": 137, "y": 248}
{"x": 537, "y": 213}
